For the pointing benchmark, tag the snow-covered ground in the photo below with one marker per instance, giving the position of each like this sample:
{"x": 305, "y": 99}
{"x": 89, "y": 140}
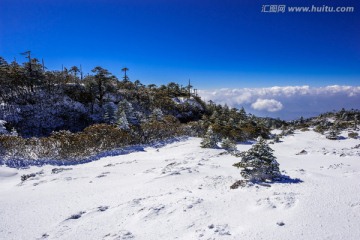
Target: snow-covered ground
{"x": 181, "y": 191}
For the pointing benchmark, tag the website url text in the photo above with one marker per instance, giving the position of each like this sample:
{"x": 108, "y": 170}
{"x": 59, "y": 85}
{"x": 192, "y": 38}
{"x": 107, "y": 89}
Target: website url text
{"x": 312, "y": 9}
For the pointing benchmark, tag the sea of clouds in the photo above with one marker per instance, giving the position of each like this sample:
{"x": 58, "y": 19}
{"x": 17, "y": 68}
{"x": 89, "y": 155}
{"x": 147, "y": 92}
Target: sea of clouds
{"x": 289, "y": 102}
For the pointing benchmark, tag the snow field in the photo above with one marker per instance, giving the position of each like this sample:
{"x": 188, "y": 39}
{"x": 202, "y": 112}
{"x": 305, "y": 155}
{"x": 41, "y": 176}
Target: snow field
{"x": 182, "y": 191}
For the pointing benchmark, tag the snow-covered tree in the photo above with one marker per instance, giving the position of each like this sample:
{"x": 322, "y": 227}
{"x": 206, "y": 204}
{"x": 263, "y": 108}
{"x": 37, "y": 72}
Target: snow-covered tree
{"x": 14, "y": 132}
{"x": 333, "y": 134}
{"x": 109, "y": 115}
{"x": 210, "y": 139}
{"x": 258, "y": 164}
{"x": 356, "y": 120}
{"x": 2, "y": 127}
{"x": 229, "y": 145}
{"x": 122, "y": 121}
{"x": 157, "y": 115}
{"x": 127, "y": 108}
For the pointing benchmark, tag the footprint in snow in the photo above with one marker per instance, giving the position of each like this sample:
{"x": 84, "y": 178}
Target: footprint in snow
{"x": 221, "y": 230}
{"x": 76, "y": 215}
{"x": 104, "y": 174}
{"x": 278, "y": 200}
{"x": 193, "y": 202}
{"x": 40, "y": 182}
{"x": 280, "y": 223}
{"x": 301, "y": 171}
{"x": 59, "y": 170}
{"x": 155, "y": 211}
{"x": 336, "y": 166}
{"x": 149, "y": 170}
{"x": 103, "y": 208}
{"x": 109, "y": 165}
{"x": 121, "y": 235}
{"x": 355, "y": 205}
{"x": 169, "y": 167}
{"x": 32, "y": 176}
{"x": 302, "y": 152}
{"x": 45, "y": 236}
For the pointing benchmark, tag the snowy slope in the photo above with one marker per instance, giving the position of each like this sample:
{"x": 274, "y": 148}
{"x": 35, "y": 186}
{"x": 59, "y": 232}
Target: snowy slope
{"x": 181, "y": 191}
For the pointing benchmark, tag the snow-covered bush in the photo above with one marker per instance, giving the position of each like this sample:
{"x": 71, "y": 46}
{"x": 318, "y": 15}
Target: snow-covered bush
{"x": 2, "y": 127}
{"x": 64, "y": 145}
{"x": 160, "y": 130}
{"x": 276, "y": 139}
{"x": 288, "y": 131}
{"x": 14, "y": 132}
{"x": 157, "y": 115}
{"x": 354, "y": 135}
{"x": 126, "y": 107}
{"x": 67, "y": 146}
{"x": 229, "y": 145}
{"x": 332, "y": 134}
{"x": 258, "y": 164}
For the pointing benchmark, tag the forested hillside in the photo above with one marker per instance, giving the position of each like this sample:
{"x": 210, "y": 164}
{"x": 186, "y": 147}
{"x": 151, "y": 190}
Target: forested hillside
{"x": 51, "y": 114}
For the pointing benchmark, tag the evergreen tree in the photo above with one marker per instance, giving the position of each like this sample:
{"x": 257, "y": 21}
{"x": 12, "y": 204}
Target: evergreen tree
{"x": 259, "y": 164}
{"x": 210, "y": 139}
{"x": 102, "y": 78}
{"x": 229, "y": 145}
{"x": 122, "y": 121}
{"x": 127, "y": 108}
{"x": 109, "y": 115}
{"x": 125, "y": 78}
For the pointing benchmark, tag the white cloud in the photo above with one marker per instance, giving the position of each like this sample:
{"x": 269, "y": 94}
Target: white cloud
{"x": 270, "y": 105}
{"x": 295, "y": 101}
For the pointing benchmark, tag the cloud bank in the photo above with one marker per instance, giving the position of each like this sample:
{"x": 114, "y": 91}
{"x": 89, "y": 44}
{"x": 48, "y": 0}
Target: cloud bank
{"x": 270, "y": 105}
{"x": 289, "y": 102}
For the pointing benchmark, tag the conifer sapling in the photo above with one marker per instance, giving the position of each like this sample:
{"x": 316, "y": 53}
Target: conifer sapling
{"x": 229, "y": 145}
{"x": 210, "y": 139}
{"x": 258, "y": 164}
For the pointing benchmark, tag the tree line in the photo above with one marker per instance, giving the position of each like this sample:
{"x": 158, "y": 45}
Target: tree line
{"x": 55, "y": 110}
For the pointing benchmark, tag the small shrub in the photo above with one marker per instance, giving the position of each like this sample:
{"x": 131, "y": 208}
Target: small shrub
{"x": 354, "y": 135}
{"x": 320, "y": 129}
{"x": 258, "y": 164}
{"x": 305, "y": 129}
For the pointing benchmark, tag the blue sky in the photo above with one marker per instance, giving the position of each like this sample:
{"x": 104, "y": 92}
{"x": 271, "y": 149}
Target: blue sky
{"x": 216, "y": 43}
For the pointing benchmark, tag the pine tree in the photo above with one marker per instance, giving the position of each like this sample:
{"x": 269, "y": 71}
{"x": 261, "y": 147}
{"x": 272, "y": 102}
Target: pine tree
{"x": 126, "y": 78}
{"x": 127, "y": 108}
{"x": 109, "y": 115}
{"x": 259, "y": 164}
{"x": 229, "y": 145}
{"x": 209, "y": 140}
{"x": 122, "y": 121}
